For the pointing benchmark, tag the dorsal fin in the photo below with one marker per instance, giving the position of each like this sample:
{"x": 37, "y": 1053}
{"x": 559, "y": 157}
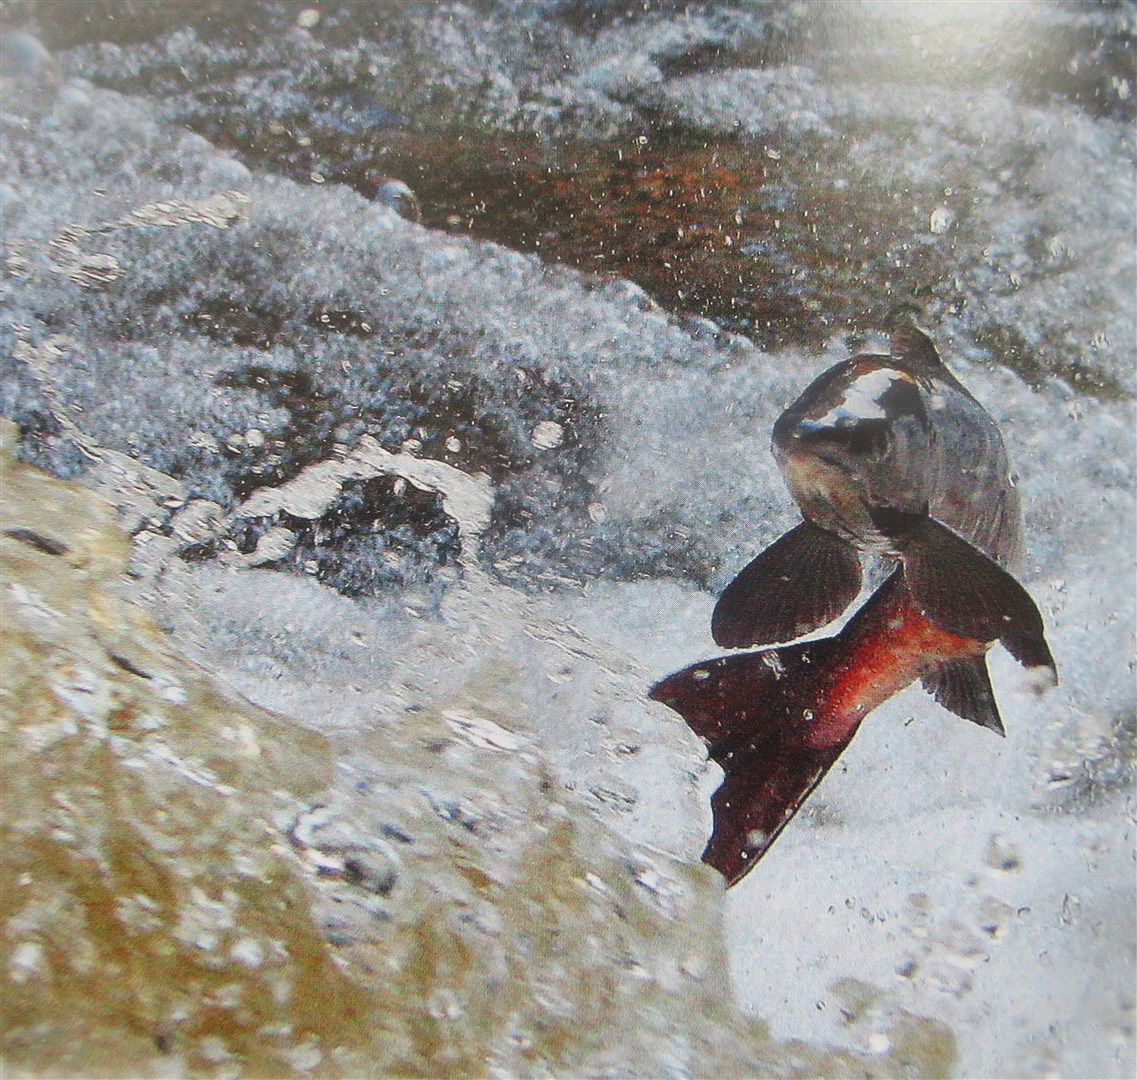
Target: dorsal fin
{"x": 913, "y": 348}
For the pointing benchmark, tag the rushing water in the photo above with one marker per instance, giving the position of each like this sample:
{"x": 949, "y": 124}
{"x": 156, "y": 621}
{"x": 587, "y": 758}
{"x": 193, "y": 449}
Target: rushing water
{"x": 449, "y": 507}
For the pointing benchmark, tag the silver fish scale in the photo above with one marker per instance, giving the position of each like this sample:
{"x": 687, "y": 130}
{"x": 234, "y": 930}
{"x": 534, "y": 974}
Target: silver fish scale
{"x": 871, "y": 433}
{"x": 971, "y": 489}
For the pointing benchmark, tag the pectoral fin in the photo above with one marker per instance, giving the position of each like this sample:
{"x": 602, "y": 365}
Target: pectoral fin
{"x": 962, "y": 591}
{"x": 964, "y": 688}
{"x": 797, "y": 584}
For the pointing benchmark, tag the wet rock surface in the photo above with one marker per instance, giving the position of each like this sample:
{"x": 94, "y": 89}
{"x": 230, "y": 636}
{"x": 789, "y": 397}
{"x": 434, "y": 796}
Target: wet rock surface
{"x": 427, "y": 355}
{"x": 190, "y": 886}
{"x": 151, "y": 910}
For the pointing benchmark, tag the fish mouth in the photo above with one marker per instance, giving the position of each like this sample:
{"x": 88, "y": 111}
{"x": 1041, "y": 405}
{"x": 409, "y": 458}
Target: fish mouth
{"x": 832, "y": 460}
{"x": 814, "y": 482}
{"x": 806, "y": 440}
{"x": 812, "y": 466}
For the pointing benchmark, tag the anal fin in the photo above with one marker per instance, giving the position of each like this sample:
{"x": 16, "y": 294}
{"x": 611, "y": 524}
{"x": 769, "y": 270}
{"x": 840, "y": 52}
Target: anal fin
{"x": 800, "y": 582}
{"x": 964, "y": 688}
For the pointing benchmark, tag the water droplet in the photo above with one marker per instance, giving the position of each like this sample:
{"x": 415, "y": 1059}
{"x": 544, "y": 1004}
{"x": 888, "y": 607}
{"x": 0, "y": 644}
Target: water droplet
{"x": 879, "y": 1043}
{"x": 547, "y": 435}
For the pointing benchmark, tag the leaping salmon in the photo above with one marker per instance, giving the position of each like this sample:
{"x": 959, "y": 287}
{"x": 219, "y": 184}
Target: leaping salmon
{"x": 887, "y": 455}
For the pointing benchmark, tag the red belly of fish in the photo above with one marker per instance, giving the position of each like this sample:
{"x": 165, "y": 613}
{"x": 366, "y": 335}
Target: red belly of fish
{"x": 878, "y": 660}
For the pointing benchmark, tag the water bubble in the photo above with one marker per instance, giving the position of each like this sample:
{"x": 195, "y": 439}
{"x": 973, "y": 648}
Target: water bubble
{"x": 400, "y": 198}
{"x": 23, "y": 57}
{"x": 941, "y": 220}
{"x": 879, "y": 1043}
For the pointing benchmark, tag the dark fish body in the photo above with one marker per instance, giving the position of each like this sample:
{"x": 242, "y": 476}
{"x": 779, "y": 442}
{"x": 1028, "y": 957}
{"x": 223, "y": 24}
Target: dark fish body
{"x": 883, "y": 454}
{"x": 776, "y": 720}
{"x": 878, "y": 431}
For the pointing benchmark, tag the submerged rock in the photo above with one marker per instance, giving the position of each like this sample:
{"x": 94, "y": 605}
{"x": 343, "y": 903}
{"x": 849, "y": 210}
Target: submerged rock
{"x": 151, "y": 911}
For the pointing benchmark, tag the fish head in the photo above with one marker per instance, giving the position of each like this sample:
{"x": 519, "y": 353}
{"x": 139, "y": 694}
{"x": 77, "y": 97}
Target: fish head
{"x": 857, "y": 439}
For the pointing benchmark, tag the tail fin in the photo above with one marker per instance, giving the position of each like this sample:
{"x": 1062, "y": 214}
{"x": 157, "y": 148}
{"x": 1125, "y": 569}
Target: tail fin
{"x": 753, "y": 711}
